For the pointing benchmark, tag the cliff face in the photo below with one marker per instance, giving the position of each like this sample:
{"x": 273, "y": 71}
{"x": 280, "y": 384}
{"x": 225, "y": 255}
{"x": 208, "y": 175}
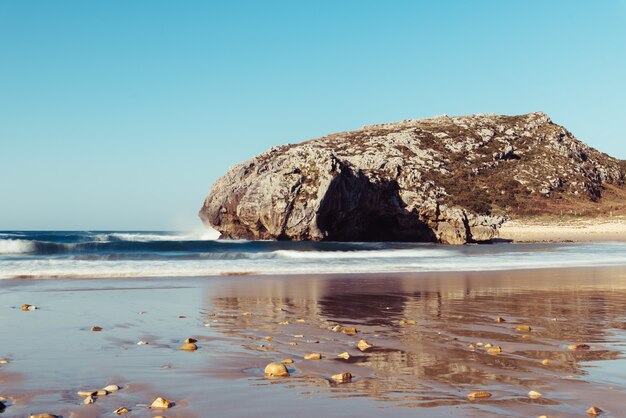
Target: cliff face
{"x": 447, "y": 179}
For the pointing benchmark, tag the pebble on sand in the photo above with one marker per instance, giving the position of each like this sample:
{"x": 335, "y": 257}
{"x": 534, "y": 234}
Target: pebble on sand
{"x": 188, "y": 347}
{"x": 96, "y": 329}
{"x": 363, "y": 345}
{"x": 545, "y": 361}
{"x": 44, "y": 416}
{"x": 500, "y": 319}
{"x": 89, "y": 400}
{"x": 4, "y": 361}
{"x": 276, "y": 369}
{"x": 481, "y": 394}
{"x": 341, "y": 377}
{"x": 190, "y": 341}
{"x": 337, "y": 328}
{"x": 495, "y": 350}
{"x": 534, "y": 394}
{"x": 594, "y": 410}
{"x": 313, "y": 356}
{"x": 283, "y": 323}
{"x": 161, "y": 403}
{"x": 111, "y": 388}
{"x": 344, "y": 355}
{"x": 349, "y": 331}
{"x": 86, "y": 393}
{"x": 121, "y": 411}
{"x": 579, "y": 347}
{"x": 287, "y": 361}
{"x": 524, "y": 328}
{"x": 26, "y": 307}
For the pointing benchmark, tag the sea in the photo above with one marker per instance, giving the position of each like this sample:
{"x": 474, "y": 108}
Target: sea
{"x": 110, "y": 254}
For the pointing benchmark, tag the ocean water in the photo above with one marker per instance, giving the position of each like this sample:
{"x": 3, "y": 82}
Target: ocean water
{"x": 92, "y": 254}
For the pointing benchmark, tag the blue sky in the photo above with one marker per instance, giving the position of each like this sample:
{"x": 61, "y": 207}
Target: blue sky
{"x": 121, "y": 114}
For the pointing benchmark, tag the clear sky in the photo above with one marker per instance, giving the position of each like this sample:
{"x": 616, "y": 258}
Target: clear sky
{"x": 121, "y": 114}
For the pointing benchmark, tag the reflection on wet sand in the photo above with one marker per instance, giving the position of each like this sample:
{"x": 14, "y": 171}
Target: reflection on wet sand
{"x": 432, "y": 335}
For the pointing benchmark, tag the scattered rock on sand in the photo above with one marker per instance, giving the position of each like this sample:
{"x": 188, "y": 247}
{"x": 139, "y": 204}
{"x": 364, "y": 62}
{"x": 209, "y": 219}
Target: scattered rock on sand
{"x": 534, "y": 394}
{"x": 579, "y": 347}
{"x": 337, "y": 328}
{"x": 121, "y": 411}
{"x": 4, "y": 361}
{"x": 344, "y": 355}
{"x": 545, "y": 361}
{"x": 86, "y": 393}
{"x": 594, "y": 410}
{"x": 349, "y": 331}
{"x": 161, "y": 403}
{"x": 495, "y": 350}
{"x": 500, "y": 319}
{"x": 101, "y": 392}
{"x": 313, "y": 356}
{"x": 190, "y": 341}
{"x": 26, "y": 307}
{"x": 188, "y": 347}
{"x": 287, "y": 361}
{"x": 523, "y": 328}
{"x": 89, "y": 400}
{"x": 96, "y": 329}
{"x": 363, "y": 345}
{"x": 341, "y": 377}
{"x": 276, "y": 369}
{"x": 111, "y": 388}
{"x": 142, "y": 343}
{"x": 481, "y": 394}
{"x": 44, "y": 416}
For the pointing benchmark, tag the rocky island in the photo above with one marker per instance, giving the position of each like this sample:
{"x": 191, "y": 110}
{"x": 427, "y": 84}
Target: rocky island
{"x": 445, "y": 179}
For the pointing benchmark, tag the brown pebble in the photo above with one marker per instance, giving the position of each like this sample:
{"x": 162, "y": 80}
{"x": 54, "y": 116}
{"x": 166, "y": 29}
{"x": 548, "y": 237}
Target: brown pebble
{"x": 276, "y": 369}
{"x": 363, "y": 345}
{"x": 500, "y": 319}
{"x": 349, "y": 331}
{"x": 313, "y": 356}
{"x": 337, "y": 328}
{"x": 341, "y": 377}
{"x": 190, "y": 341}
{"x": 161, "y": 403}
{"x": 25, "y": 307}
{"x": 579, "y": 347}
{"x": 247, "y": 314}
{"x": 188, "y": 347}
{"x": 481, "y": 394}
{"x": 287, "y": 361}
{"x": 268, "y": 338}
{"x": 594, "y": 410}
{"x": 101, "y": 392}
{"x": 524, "y": 328}
{"x": 495, "y": 350}
{"x": 121, "y": 411}
{"x": 545, "y": 361}
{"x": 96, "y": 329}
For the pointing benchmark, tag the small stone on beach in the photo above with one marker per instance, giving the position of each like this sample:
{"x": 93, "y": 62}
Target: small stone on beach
{"x": 26, "y": 307}
{"x": 363, "y": 345}
{"x": 349, "y": 331}
{"x": 276, "y": 369}
{"x": 500, "y": 319}
{"x": 579, "y": 347}
{"x": 121, "y": 411}
{"x": 594, "y": 410}
{"x": 188, "y": 347}
{"x": 481, "y": 394}
{"x": 86, "y": 393}
{"x": 4, "y": 361}
{"x": 190, "y": 341}
{"x": 545, "y": 361}
{"x": 161, "y": 403}
{"x": 523, "y": 328}
{"x": 111, "y": 388}
{"x": 44, "y": 416}
{"x": 495, "y": 350}
{"x": 96, "y": 329}
{"x": 89, "y": 400}
{"x": 341, "y": 377}
{"x": 534, "y": 394}
{"x": 313, "y": 356}
{"x": 287, "y": 361}
{"x": 336, "y": 328}
{"x": 142, "y": 343}
{"x": 344, "y": 355}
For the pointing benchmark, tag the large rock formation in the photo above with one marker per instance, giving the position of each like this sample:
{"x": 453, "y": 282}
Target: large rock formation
{"x": 447, "y": 179}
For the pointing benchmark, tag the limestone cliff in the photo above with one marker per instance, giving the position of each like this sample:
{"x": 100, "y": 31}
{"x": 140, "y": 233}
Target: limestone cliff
{"x": 446, "y": 179}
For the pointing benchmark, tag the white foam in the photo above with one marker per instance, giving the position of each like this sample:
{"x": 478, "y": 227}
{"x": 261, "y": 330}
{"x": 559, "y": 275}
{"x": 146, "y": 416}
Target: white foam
{"x": 202, "y": 235}
{"x": 368, "y": 254}
{"x": 16, "y": 246}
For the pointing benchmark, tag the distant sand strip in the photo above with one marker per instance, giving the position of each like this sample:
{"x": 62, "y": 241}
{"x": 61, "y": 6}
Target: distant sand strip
{"x": 578, "y": 230}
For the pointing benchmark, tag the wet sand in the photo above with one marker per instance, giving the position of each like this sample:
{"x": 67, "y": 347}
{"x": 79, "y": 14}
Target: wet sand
{"x": 242, "y": 323}
{"x": 573, "y": 230}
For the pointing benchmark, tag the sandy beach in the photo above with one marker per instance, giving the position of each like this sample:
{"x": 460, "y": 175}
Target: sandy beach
{"x": 430, "y": 335}
{"x": 570, "y": 230}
